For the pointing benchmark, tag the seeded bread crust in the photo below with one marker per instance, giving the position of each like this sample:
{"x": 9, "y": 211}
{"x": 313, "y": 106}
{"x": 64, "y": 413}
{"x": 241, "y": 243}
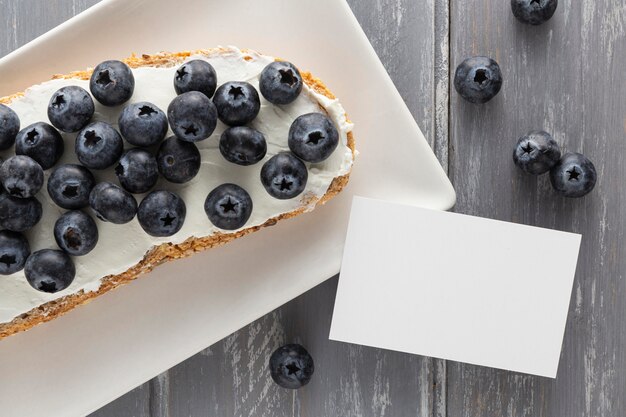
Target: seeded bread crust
{"x": 165, "y": 252}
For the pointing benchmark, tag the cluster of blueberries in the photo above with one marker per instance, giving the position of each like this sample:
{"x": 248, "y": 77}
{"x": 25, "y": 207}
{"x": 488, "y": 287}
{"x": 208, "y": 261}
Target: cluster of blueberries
{"x": 479, "y": 79}
{"x": 192, "y": 116}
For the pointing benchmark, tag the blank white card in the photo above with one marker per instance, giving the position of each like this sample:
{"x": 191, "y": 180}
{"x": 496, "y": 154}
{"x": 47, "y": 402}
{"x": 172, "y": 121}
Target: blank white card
{"x": 455, "y": 287}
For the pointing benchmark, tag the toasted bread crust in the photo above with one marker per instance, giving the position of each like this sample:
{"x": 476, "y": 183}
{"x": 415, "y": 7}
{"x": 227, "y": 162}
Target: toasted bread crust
{"x": 166, "y": 251}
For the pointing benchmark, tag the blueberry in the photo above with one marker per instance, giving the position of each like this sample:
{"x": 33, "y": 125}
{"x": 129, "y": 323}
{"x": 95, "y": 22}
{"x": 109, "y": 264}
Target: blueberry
{"x": 243, "y": 145}
{"x": 161, "y": 213}
{"x": 76, "y": 233}
{"x": 280, "y": 82}
{"x": 284, "y": 176}
{"x": 137, "y": 171}
{"x": 478, "y": 79}
{"x": 70, "y": 108}
{"x": 69, "y": 186}
{"x": 14, "y": 250}
{"x": 49, "y": 270}
{"x": 237, "y": 103}
{"x": 313, "y": 137}
{"x": 534, "y": 12}
{"x": 21, "y": 176}
{"x": 536, "y": 152}
{"x": 19, "y": 214}
{"x": 9, "y": 126}
{"x": 574, "y": 175}
{"x": 112, "y": 83}
{"x": 291, "y": 366}
{"x": 143, "y": 124}
{"x": 178, "y": 161}
{"x": 192, "y": 116}
{"x": 112, "y": 204}
{"x": 196, "y": 75}
{"x": 228, "y": 206}
{"x": 98, "y": 145}
{"x": 41, "y": 142}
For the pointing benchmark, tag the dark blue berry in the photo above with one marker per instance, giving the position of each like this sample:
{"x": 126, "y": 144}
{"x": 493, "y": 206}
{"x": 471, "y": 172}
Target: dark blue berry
{"x": 161, "y": 213}
{"x": 280, "y": 82}
{"x": 69, "y": 186}
{"x": 313, "y": 137}
{"x": 76, "y": 233}
{"x": 178, "y": 161}
{"x": 284, "y": 176}
{"x": 19, "y": 214}
{"x": 291, "y": 366}
{"x": 478, "y": 79}
{"x": 196, "y": 75}
{"x": 534, "y": 12}
{"x": 112, "y": 204}
{"x": 243, "y": 145}
{"x": 192, "y": 116}
{"x": 143, "y": 124}
{"x": 21, "y": 176}
{"x": 536, "y": 152}
{"x": 9, "y": 126}
{"x": 98, "y": 145}
{"x": 14, "y": 250}
{"x": 228, "y": 206}
{"x": 41, "y": 142}
{"x": 112, "y": 83}
{"x": 49, "y": 270}
{"x": 574, "y": 175}
{"x": 70, "y": 108}
{"x": 237, "y": 103}
{"x": 137, "y": 171}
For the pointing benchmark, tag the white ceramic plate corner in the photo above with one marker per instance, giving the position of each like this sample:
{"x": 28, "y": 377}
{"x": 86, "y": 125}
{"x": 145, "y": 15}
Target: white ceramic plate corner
{"x": 128, "y": 336}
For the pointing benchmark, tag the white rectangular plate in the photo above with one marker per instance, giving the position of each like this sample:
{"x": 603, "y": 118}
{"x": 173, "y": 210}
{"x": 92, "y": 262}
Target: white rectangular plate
{"x": 476, "y": 300}
{"x": 79, "y": 362}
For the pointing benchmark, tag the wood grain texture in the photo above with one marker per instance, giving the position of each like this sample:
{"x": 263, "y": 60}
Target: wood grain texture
{"x": 567, "y": 77}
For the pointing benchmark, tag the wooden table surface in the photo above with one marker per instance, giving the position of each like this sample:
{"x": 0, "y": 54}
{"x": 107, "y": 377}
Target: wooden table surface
{"x": 568, "y": 77}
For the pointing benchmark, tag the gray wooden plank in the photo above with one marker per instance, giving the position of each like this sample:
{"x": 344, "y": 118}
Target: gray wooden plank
{"x": 566, "y": 77}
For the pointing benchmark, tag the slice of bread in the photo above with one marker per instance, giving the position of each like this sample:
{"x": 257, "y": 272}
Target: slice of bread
{"x": 167, "y": 251}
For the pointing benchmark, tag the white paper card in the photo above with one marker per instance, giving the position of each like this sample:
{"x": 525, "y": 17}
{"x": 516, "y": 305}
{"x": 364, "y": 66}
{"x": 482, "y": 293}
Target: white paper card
{"x": 455, "y": 287}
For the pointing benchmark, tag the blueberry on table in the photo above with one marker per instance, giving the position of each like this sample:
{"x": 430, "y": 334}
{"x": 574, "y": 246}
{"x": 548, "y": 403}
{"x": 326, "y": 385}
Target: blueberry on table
{"x": 313, "y": 137}
{"x": 69, "y": 186}
{"x": 196, "y": 75}
{"x": 534, "y": 12}
{"x": 284, "y": 176}
{"x": 42, "y": 142}
{"x": 21, "y": 176}
{"x": 49, "y": 270}
{"x": 143, "y": 124}
{"x": 137, "y": 171}
{"x": 228, "y": 206}
{"x": 291, "y": 366}
{"x": 243, "y": 145}
{"x": 237, "y": 103}
{"x": 112, "y": 83}
{"x": 162, "y": 213}
{"x": 70, "y": 108}
{"x": 536, "y": 152}
{"x": 9, "y": 126}
{"x": 112, "y": 204}
{"x": 178, "y": 161}
{"x": 76, "y": 233}
{"x": 14, "y": 250}
{"x": 192, "y": 116}
{"x": 19, "y": 214}
{"x": 574, "y": 175}
{"x": 478, "y": 79}
{"x": 280, "y": 82}
{"x": 98, "y": 145}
